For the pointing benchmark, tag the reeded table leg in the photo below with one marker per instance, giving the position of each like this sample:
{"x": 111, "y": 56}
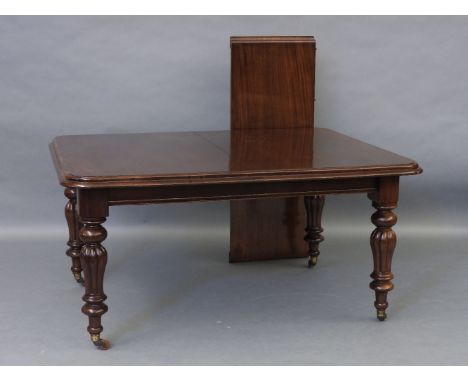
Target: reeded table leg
{"x": 314, "y": 207}
{"x": 383, "y": 242}
{"x": 74, "y": 243}
{"x": 94, "y": 259}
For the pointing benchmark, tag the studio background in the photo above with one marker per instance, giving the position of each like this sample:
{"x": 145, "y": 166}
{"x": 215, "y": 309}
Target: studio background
{"x": 397, "y": 82}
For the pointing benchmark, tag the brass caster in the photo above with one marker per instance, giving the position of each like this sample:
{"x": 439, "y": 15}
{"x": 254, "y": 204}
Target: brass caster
{"x": 101, "y": 344}
{"x": 312, "y": 261}
{"x": 381, "y": 315}
{"x": 79, "y": 279}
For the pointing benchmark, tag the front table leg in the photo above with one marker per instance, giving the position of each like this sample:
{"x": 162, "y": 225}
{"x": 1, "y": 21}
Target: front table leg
{"x": 94, "y": 259}
{"x": 383, "y": 242}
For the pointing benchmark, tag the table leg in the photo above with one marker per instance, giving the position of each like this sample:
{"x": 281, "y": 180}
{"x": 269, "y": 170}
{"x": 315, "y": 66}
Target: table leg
{"x": 383, "y": 241}
{"x": 94, "y": 259}
{"x": 314, "y": 207}
{"x": 74, "y": 243}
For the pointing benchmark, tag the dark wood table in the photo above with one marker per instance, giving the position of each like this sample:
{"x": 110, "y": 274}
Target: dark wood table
{"x": 99, "y": 171}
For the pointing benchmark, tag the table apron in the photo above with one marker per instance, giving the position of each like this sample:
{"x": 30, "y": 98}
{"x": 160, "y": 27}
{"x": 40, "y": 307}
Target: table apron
{"x": 230, "y": 191}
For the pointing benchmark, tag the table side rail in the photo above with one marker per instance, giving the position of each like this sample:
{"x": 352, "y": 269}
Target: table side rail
{"x": 200, "y": 192}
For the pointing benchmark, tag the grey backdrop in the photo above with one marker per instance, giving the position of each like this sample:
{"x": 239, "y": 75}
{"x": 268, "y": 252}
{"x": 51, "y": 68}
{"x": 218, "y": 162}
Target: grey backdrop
{"x": 397, "y": 82}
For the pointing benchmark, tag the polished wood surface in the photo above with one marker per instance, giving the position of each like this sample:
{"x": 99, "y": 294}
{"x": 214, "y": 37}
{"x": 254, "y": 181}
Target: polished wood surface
{"x": 272, "y": 85}
{"x": 272, "y": 82}
{"x": 267, "y": 229}
{"x": 119, "y": 160}
{"x": 230, "y": 190}
{"x": 271, "y": 149}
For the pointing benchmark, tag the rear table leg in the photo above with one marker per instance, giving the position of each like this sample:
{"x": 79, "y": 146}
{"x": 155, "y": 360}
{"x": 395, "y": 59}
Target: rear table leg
{"x": 74, "y": 243}
{"x": 314, "y": 207}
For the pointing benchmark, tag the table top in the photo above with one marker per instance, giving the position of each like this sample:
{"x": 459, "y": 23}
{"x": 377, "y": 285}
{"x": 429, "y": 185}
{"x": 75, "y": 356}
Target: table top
{"x": 146, "y": 159}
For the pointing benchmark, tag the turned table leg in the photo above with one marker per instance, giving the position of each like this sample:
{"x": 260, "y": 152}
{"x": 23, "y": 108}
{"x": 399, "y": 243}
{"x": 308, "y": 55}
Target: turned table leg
{"x": 94, "y": 259}
{"x": 314, "y": 207}
{"x": 383, "y": 242}
{"x": 74, "y": 243}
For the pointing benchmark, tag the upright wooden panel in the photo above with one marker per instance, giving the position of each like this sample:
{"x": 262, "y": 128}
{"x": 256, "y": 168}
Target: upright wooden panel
{"x": 272, "y": 82}
{"x": 267, "y": 229}
{"x": 272, "y": 86}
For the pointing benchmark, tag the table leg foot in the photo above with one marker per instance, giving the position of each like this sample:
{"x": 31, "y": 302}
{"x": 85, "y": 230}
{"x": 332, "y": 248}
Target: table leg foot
{"x": 78, "y": 277}
{"x": 314, "y": 207}
{"x": 312, "y": 261}
{"x": 99, "y": 342}
{"x": 381, "y": 315}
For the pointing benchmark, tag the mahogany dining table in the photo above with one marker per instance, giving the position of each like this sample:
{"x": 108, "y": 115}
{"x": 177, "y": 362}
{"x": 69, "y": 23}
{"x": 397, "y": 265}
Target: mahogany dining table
{"x": 259, "y": 160}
